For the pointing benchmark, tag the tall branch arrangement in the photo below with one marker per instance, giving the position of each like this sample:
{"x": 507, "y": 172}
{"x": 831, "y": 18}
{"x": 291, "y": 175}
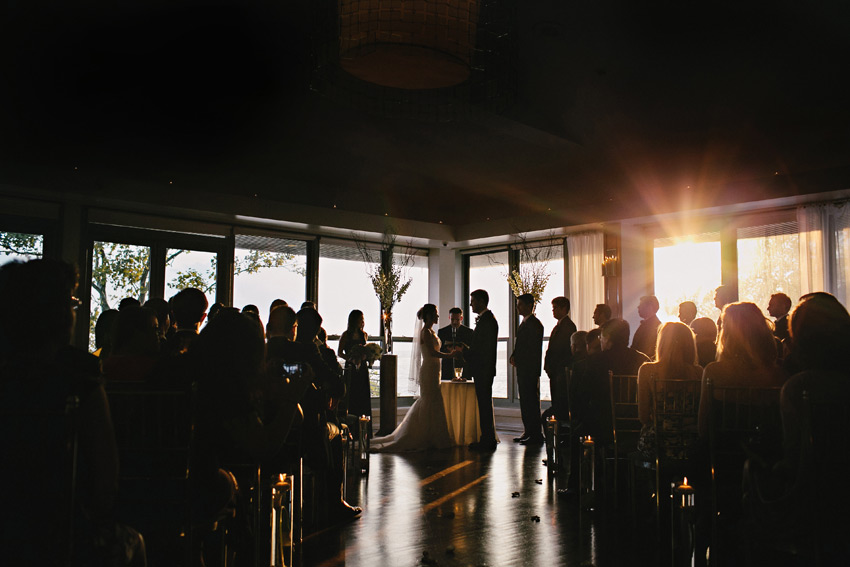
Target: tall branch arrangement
{"x": 389, "y": 275}
{"x": 533, "y": 273}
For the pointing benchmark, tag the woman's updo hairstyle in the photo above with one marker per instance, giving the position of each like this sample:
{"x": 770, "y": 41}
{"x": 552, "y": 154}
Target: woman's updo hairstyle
{"x": 425, "y": 310}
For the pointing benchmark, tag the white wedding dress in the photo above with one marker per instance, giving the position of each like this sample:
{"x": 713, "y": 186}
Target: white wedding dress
{"x": 424, "y": 426}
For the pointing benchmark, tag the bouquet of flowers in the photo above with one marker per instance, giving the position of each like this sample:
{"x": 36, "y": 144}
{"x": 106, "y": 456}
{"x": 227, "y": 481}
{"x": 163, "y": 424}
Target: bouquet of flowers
{"x": 370, "y": 352}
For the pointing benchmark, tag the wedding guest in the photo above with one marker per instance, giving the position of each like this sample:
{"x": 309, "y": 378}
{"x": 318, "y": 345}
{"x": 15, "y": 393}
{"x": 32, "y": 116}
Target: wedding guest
{"x": 687, "y": 312}
{"x": 706, "y": 339}
{"x": 452, "y": 335}
{"x": 559, "y": 355}
{"x": 676, "y": 360}
{"x": 163, "y": 316}
{"x": 40, "y": 370}
{"x": 646, "y": 335}
{"x": 526, "y": 359}
{"x": 136, "y": 347}
{"x": 601, "y": 314}
{"x": 104, "y": 333}
{"x": 189, "y": 307}
{"x": 746, "y": 356}
{"x": 778, "y": 308}
{"x": 723, "y": 296}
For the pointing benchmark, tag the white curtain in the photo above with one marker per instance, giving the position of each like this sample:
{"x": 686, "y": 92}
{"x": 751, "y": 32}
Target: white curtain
{"x": 587, "y": 287}
{"x": 825, "y": 249}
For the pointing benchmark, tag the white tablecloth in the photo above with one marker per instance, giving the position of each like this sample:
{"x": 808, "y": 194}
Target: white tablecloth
{"x": 461, "y": 411}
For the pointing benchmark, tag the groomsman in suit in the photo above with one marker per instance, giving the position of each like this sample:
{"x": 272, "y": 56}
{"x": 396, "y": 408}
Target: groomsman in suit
{"x": 481, "y": 366}
{"x": 453, "y": 335}
{"x": 528, "y": 350}
{"x": 559, "y": 354}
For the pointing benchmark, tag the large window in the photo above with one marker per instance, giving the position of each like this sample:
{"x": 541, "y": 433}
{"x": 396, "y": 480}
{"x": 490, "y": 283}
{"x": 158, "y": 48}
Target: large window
{"x": 20, "y": 246}
{"x": 267, "y": 268}
{"x": 343, "y": 286}
{"x": 768, "y": 262}
{"x": 191, "y": 268}
{"x": 687, "y": 269}
{"x": 118, "y": 271}
{"x": 489, "y": 272}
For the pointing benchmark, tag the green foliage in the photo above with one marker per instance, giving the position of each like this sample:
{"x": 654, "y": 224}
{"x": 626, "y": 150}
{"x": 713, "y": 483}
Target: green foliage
{"x": 21, "y": 244}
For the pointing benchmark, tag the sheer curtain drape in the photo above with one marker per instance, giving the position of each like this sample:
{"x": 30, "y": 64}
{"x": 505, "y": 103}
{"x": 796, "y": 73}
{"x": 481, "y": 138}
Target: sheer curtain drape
{"x": 825, "y": 249}
{"x": 587, "y": 288}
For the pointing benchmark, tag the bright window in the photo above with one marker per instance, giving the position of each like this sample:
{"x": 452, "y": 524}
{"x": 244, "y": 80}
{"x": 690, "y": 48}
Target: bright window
{"x": 268, "y": 268}
{"x": 190, "y": 268}
{"x": 687, "y": 269}
{"x": 768, "y": 262}
{"x": 20, "y": 246}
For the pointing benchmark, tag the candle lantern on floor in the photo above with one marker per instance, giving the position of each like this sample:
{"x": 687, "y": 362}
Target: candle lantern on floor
{"x": 587, "y": 473}
{"x": 551, "y": 448}
{"x": 683, "y": 524}
{"x": 365, "y": 425}
{"x": 282, "y": 521}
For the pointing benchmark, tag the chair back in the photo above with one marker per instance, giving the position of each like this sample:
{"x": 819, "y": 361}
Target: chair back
{"x": 154, "y": 432}
{"x": 825, "y": 453}
{"x": 39, "y": 480}
{"x": 743, "y": 422}
{"x": 675, "y": 411}
{"x": 624, "y": 412}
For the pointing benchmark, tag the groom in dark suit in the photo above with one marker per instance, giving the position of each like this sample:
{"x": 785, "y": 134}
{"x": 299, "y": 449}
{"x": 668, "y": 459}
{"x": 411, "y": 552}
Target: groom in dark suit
{"x": 481, "y": 366}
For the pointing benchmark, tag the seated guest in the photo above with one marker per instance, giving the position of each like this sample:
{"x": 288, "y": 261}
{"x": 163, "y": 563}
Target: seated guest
{"x": 676, "y": 360}
{"x": 322, "y": 335}
{"x": 189, "y": 307}
{"x": 163, "y": 316}
{"x": 578, "y": 345}
{"x": 746, "y": 356}
{"x": 590, "y": 401}
{"x": 687, "y": 312}
{"x": 820, "y": 339}
{"x": 136, "y": 346}
{"x": 104, "y": 333}
{"x": 40, "y": 370}
{"x": 705, "y": 331}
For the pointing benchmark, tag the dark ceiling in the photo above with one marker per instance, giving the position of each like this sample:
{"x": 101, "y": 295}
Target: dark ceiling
{"x": 620, "y": 108}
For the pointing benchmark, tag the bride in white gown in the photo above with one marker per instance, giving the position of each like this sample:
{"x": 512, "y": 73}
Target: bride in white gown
{"x": 424, "y": 426}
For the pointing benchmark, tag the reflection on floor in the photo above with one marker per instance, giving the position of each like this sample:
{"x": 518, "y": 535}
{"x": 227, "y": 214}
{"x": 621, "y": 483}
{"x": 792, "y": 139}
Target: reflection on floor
{"x": 456, "y": 507}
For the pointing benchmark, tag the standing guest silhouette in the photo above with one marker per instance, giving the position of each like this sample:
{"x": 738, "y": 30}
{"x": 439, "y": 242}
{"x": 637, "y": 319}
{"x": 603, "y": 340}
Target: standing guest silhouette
{"x": 356, "y": 366}
{"x": 723, "y": 296}
{"x": 647, "y": 332}
{"x": 601, "y": 314}
{"x": 687, "y": 312}
{"x": 481, "y": 366}
{"x": 559, "y": 354}
{"x": 528, "y": 350}
{"x": 778, "y": 308}
{"x": 452, "y": 335}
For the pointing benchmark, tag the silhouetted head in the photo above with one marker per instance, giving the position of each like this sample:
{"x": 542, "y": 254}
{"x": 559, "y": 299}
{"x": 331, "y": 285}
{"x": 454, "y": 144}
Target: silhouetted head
{"x": 601, "y": 313}
{"x": 356, "y": 321}
{"x": 779, "y": 305}
{"x": 37, "y": 305}
{"x": 820, "y": 332}
{"x": 615, "y": 333}
{"x": 137, "y": 332}
{"x": 675, "y": 347}
{"x": 746, "y": 335}
{"x": 704, "y": 329}
{"x": 189, "y": 307}
{"x": 283, "y": 322}
{"x": 687, "y": 312}
{"x": 309, "y": 322}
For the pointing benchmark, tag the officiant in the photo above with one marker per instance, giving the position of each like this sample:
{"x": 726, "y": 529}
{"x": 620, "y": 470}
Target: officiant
{"x": 454, "y": 334}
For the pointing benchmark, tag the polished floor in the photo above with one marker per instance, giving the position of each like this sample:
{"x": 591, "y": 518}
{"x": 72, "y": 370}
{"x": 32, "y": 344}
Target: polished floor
{"x": 456, "y": 507}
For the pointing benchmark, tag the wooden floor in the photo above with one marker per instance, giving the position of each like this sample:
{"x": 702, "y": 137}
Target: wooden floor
{"x": 465, "y": 508}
